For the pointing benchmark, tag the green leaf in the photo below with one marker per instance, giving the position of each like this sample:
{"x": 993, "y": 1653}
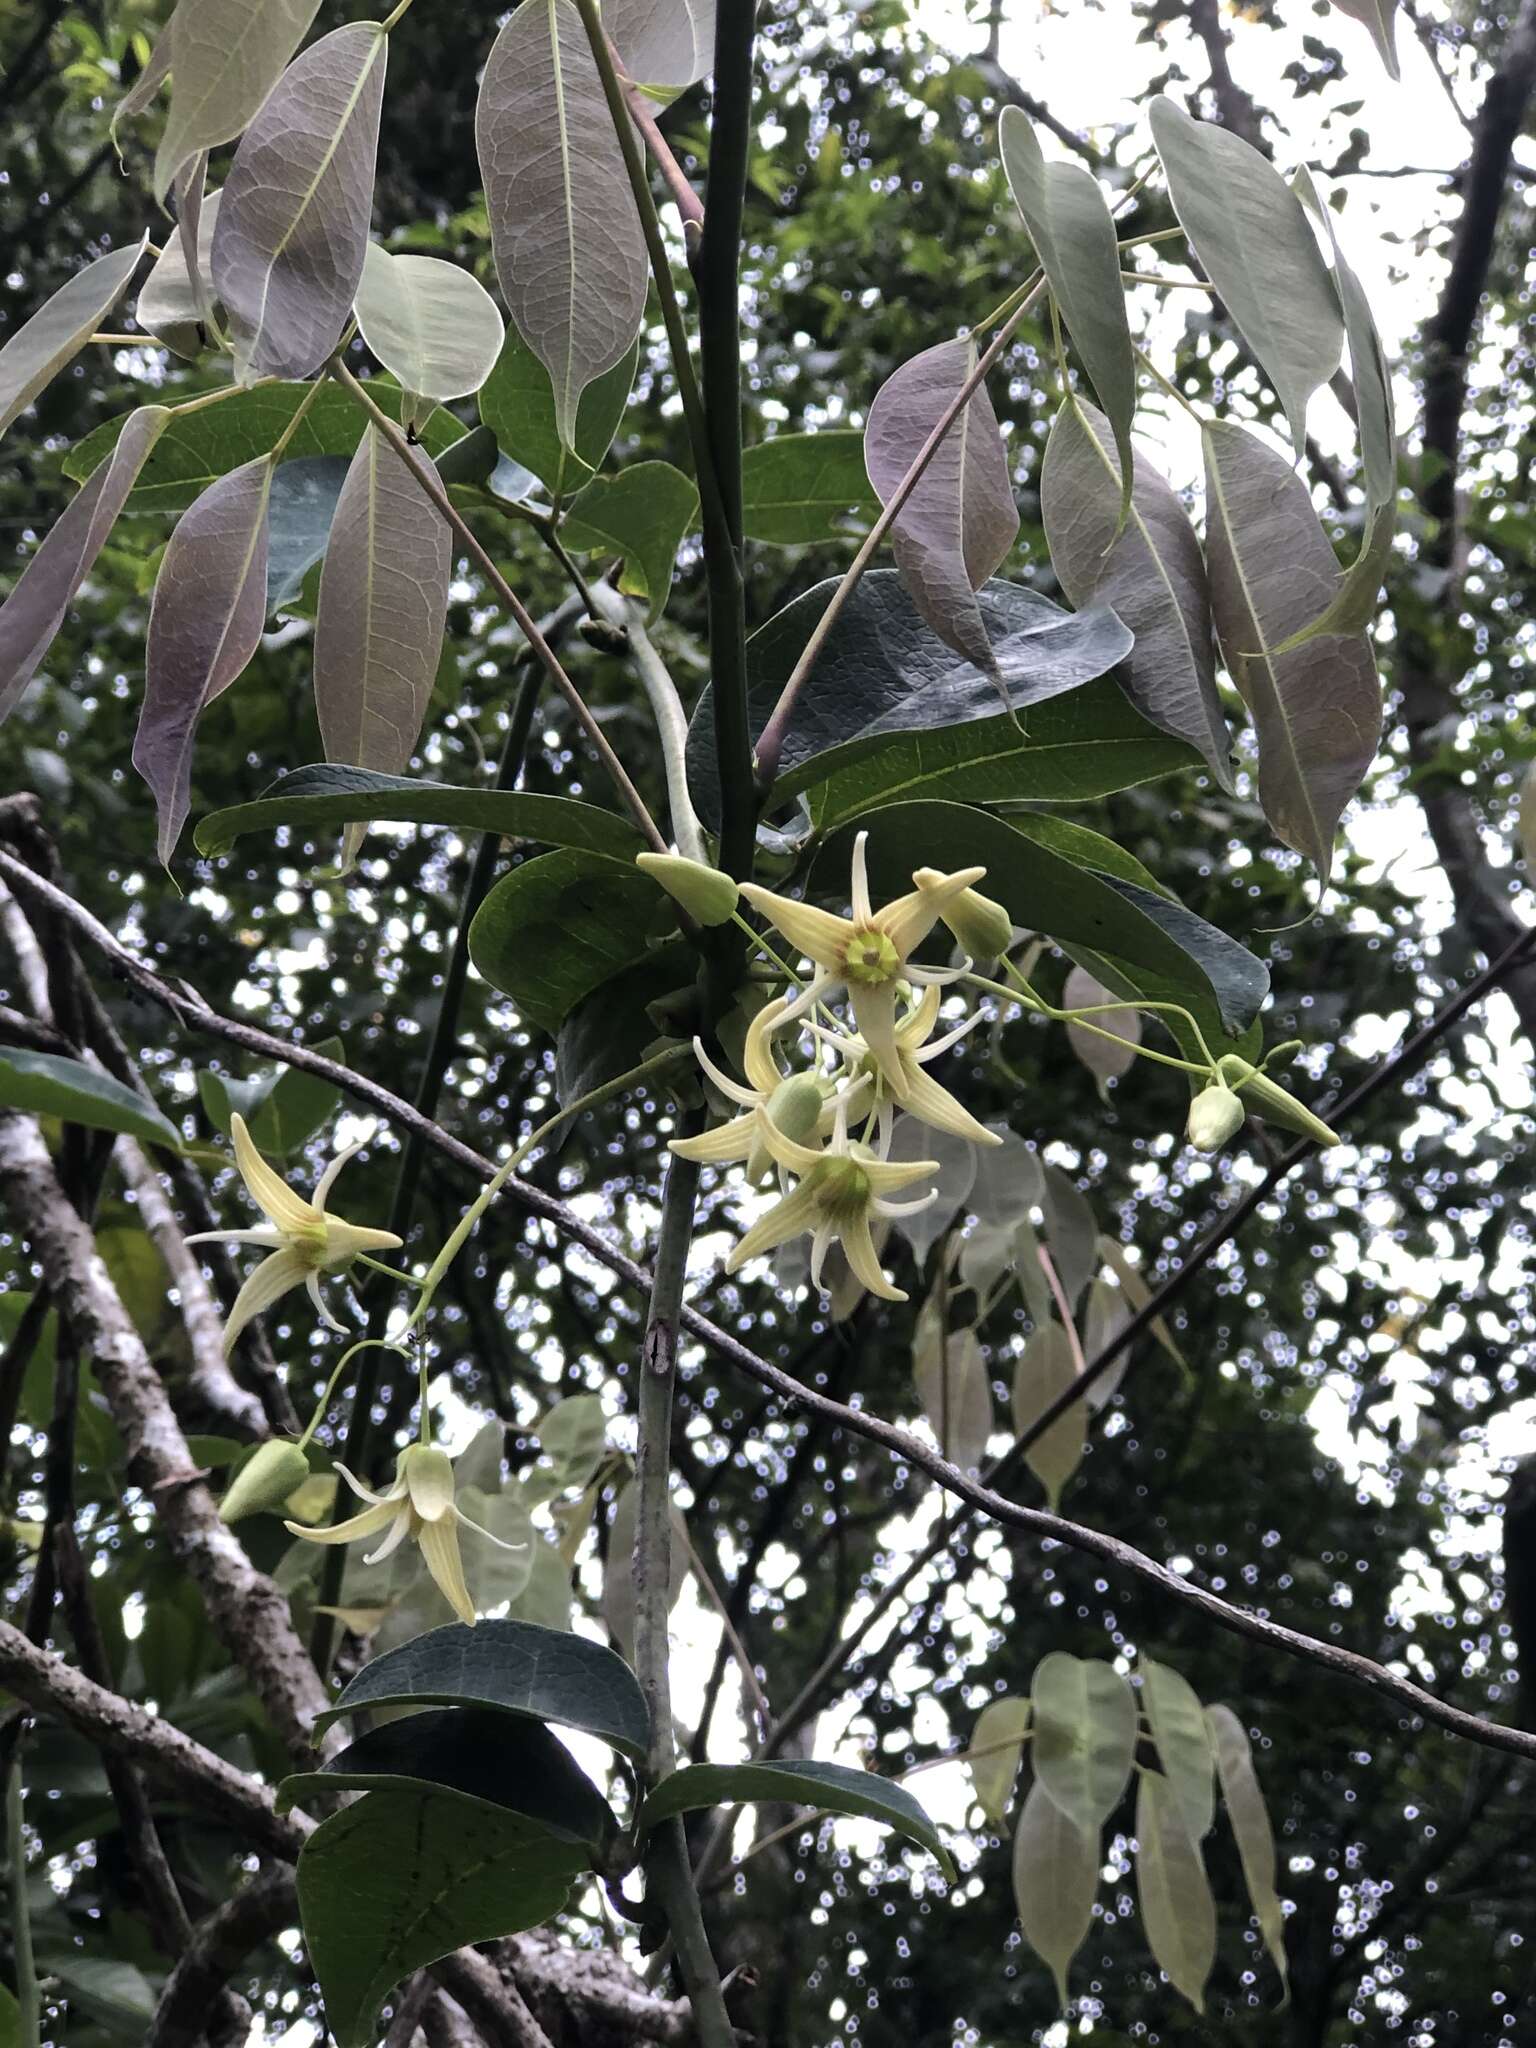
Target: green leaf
{"x": 498, "y": 1571}
{"x": 1183, "y": 1744}
{"x": 999, "y": 1722}
{"x": 61, "y": 327}
{"x": 432, "y": 325}
{"x": 611, "y": 1030}
{"x": 618, "y": 1603}
{"x": 663, "y": 43}
{"x": 1084, "y": 848}
{"x": 1152, "y": 574}
{"x": 959, "y": 521}
{"x": 956, "y": 1394}
{"x": 328, "y": 795}
{"x": 1317, "y": 710}
{"x": 283, "y": 1106}
{"x": 1055, "y": 1878}
{"x": 113, "y": 1993}
{"x": 226, "y": 56}
{"x": 1045, "y": 1370}
{"x": 300, "y": 509}
{"x": 801, "y": 488}
{"x": 573, "y": 1436}
{"x": 546, "y": 1599}
{"x": 883, "y": 679}
{"x": 293, "y": 220}
{"x": 1136, "y": 1291}
{"x": 1075, "y": 245}
{"x": 467, "y": 1751}
{"x": 1248, "y": 229}
{"x": 1378, "y": 17}
{"x": 569, "y": 247}
{"x": 1044, "y": 892}
{"x": 10, "y": 2019}
{"x": 558, "y": 927}
{"x": 830, "y": 1788}
{"x": 536, "y": 1673}
{"x": 1250, "y": 1825}
{"x": 641, "y": 514}
{"x": 1177, "y": 1910}
{"x": 196, "y": 449}
{"x": 48, "y": 1084}
{"x": 401, "y": 1878}
{"x": 517, "y": 402}
{"x": 1085, "y": 1736}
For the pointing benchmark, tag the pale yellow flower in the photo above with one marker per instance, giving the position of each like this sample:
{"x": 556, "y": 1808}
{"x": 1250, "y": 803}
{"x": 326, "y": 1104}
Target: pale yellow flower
{"x": 841, "y": 1187}
{"x": 800, "y": 1105}
{"x": 304, "y": 1240}
{"x": 419, "y": 1505}
{"x": 922, "y": 1097}
{"x": 867, "y": 953}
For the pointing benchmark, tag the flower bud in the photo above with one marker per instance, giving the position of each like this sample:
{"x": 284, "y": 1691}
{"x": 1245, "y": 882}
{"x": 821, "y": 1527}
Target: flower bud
{"x": 1265, "y": 1098}
{"x": 705, "y": 893}
{"x": 981, "y": 927}
{"x": 795, "y": 1107}
{"x": 1215, "y": 1115}
{"x": 263, "y": 1483}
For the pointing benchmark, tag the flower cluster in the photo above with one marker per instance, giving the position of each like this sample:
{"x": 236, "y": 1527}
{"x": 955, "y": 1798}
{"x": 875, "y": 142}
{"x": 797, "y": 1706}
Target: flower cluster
{"x": 800, "y": 1121}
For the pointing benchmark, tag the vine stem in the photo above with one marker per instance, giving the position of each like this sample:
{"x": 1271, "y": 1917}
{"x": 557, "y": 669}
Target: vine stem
{"x": 432, "y": 486}
{"x": 770, "y": 744}
{"x": 28, "y": 2003}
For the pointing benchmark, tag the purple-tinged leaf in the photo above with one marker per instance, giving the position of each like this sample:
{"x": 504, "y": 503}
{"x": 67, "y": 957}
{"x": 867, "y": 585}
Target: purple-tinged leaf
{"x": 1055, "y": 1876}
{"x": 565, "y": 232}
{"x": 1103, "y": 1058}
{"x": 1317, "y": 709}
{"x": 293, "y": 223}
{"x": 225, "y": 57}
{"x": 960, "y": 520}
{"x": 1250, "y": 1825}
{"x": 35, "y": 609}
{"x": 1248, "y": 229}
{"x": 383, "y": 603}
{"x": 205, "y": 623}
{"x": 61, "y": 327}
{"x": 1178, "y": 1913}
{"x": 662, "y": 43}
{"x": 1151, "y": 574}
{"x": 171, "y": 306}
{"x": 1074, "y": 236}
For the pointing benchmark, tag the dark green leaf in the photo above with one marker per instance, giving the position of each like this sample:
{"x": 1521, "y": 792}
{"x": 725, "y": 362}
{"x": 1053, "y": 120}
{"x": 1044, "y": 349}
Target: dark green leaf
{"x": 537, "y": 1673}
{"x": 401, "y": 1878}
{"x": 299, "y": 515}
{"x": 641, "y": 514}
{"x": 325, "y": 795}
{"x": 283, "y": 1108}
{"x": 830, "y": 1788}
{"x": 801, "y": 488}
{"x": 517, "y": 403}
{"x": 608, "y": 1031}
{"x": 558, "y": 927}
{"x": 50, "y": 1085}
{"x": 469, "y": 1751}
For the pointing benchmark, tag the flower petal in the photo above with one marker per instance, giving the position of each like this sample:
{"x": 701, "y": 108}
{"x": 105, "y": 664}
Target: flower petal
{"x": 786, "y": 1219}
{"x": 908, "y": 920}
{"x": 859, "y": 881}
{"x": 819, "y": 935}
{"x": 782, "y": 1150}
{"x": 271, "y": 1279}
{"x": 396, "y": 1491}
{"x": 936, "y": 1107}
{"x": 312, "y": 1287}
{"x": 393, "y": 1540}
{"x": 343, "y": 1241}
{"x": 859, "y": 1250}
{"x": 501, "y": 1542}
{"x": 428, "y": 1475}
{"x": 327, "y": 1179}
{"x": 720, "y": 1147}
{"x": 874, "y": 1011}
{"x": 889, "y": 1176}
{"x": 757, "y": 1054}
{"x": 440, "y": 1548}
{"x": 365, "y": 1524}
{"x": 271, "y": 1240}
{"x": 290, "y": 1212}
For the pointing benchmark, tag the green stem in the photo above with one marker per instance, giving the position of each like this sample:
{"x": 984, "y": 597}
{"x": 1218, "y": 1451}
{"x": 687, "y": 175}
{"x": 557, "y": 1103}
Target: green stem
{"x": 1024, "y": 995}
{"x": 28, "y": 2002}
{"x": 312, "y": 392}
{"x": 346, "y": 1358}
{"x": 1171, "y": 388}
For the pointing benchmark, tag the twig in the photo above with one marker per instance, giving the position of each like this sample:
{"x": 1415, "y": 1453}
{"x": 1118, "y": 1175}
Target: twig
{"x": 689, "y": 205}
{"x": 667, "y": 710}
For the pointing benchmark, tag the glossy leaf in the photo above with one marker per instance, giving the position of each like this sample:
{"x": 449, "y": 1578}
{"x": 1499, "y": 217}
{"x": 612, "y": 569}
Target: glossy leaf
{"x": 41, "y": 596}
{"x": 960, "y": 521}
{"x": 205, "y": 623}
{"x": 1379, "y": 17}
{"x": 61, "y": 327}
{"x": 322, "y": 796}
{"x": 1354, "y": 603}
{"x": 432, "y": 325}
{"x": 1178, "y": 1913}
{"x": 171, "y": 306}
{"x": 956, "y": 1394}
{"x": 1250, "y": 1826}
{"x": 1055, "y": 1878}
{"x": 666, "y": 43}
{"x": 1044, "y": 1371}
{"x": 517, "y": 402}
{"x": 225, "y": 57}
{"x": 1075, "y": 245}
{"x": 1000, "y": 1722}
{"x": 1248, "y": 229}
{"x": 533, "y": 1673}
{"x": 609, "y": 1031}
{"x": 292, "y": 231}
{"x": 48, "y": 1084}
{"x": 197, "y": 448}
{"x": 800, "y": 488}
{"x": 888, "y": 688}
{"x": 401, "y": 1878}
{"x": 1151, "y": 574}
{"x": 1103, "y": 1058}
{"x": 565, "y": 233}
{"x": 1317, "y": 709}
{"x": 283, "y": 1107}
{"x": 641, "y": 514}
{"x": 1085, "y": 1736}
{"x": 466, "y": 1750}
{"x": 299, "y": 515}
{"x": 383, "y": 605}
{"x": 1183, "y": 1743}
{"x": 557, "y": 927}
{"x": 830, "y": 1788}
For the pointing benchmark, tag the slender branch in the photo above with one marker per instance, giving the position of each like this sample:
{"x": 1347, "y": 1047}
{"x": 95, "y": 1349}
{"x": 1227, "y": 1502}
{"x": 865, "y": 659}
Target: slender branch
{"x": 431, "y": 484}
{"x": 689, "y": 205}
{"x": 217, "y": 1948}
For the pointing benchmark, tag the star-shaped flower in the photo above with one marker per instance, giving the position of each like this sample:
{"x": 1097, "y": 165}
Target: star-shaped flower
{"x": 923, "y": 1097}
{"x": 868, "y": 953}
{"x": 800, "y": 1105}
{"x": 303, "y": 1238}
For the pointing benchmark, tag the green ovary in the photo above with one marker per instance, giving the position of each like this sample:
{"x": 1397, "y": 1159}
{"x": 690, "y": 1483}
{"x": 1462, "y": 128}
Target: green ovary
{"x": 871, "y": 958}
